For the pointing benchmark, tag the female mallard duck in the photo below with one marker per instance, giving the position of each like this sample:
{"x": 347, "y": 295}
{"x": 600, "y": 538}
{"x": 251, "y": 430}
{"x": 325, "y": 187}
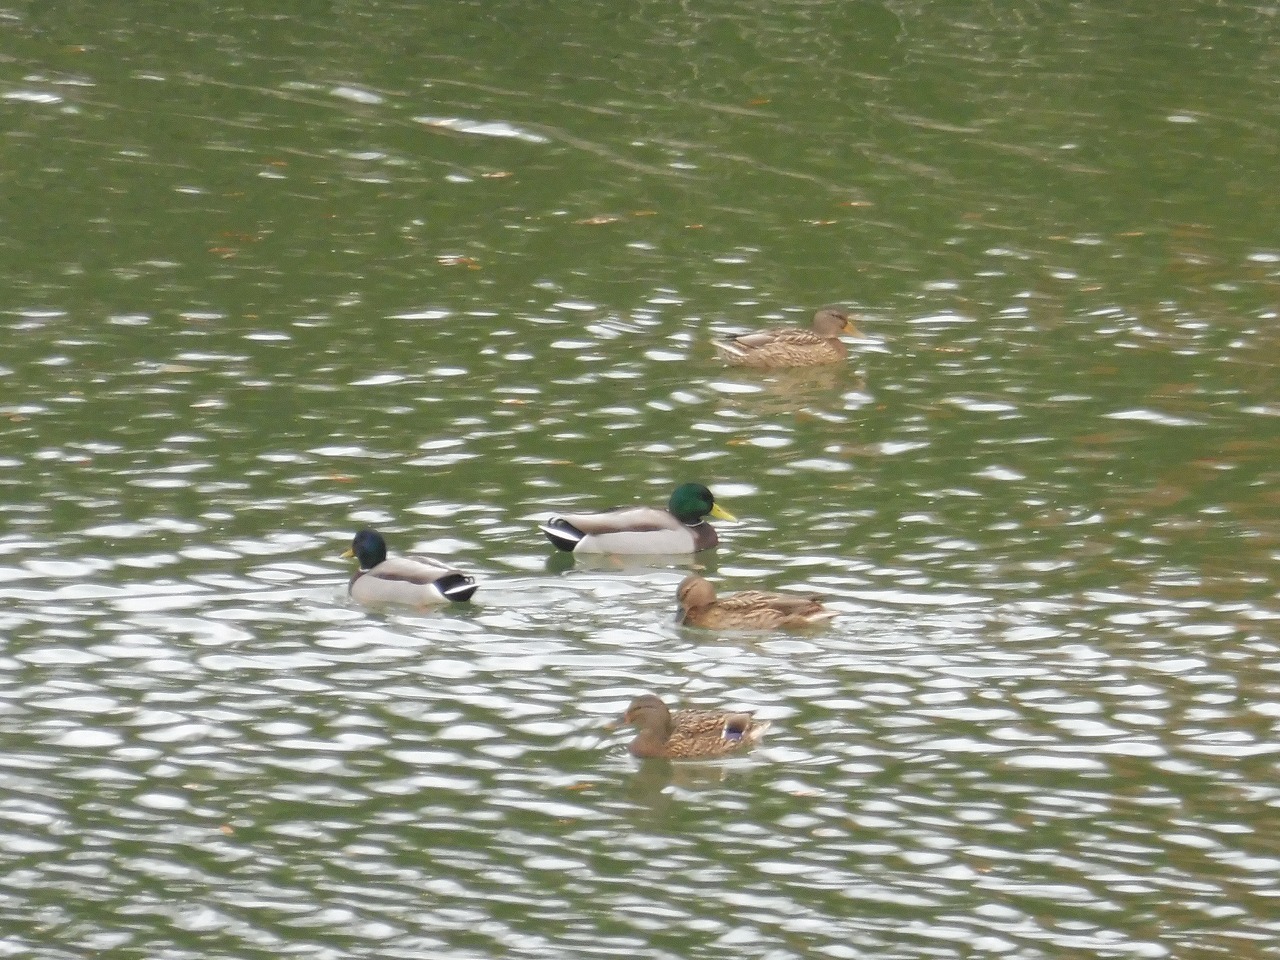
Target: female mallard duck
{"x": 688, "y": 734}
{"x": 678, "y": 529}
{"x": 791, "y": 346}
{"x": 383, "y": 579}
{"x": 749, "y": 610}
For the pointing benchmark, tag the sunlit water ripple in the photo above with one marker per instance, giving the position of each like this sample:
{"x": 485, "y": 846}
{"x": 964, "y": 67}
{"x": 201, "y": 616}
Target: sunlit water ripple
{"x": 1009, "y": 747}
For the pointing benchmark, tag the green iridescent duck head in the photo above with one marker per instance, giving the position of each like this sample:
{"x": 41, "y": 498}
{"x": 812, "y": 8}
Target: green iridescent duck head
{"x": 690, "y": 502}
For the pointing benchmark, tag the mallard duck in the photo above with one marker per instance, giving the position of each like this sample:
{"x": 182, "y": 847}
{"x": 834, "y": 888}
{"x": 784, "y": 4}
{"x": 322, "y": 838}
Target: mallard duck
{"x": 688, "y": 734}
{"x": 678, "y": 529}
{"x": 383, "y": 579}
{"x": 749, "y": 610}
{"x": 791, "y": 346}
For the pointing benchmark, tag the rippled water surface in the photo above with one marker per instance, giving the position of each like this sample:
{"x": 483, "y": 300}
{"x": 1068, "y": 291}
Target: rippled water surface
{"x": 443, "y": 269}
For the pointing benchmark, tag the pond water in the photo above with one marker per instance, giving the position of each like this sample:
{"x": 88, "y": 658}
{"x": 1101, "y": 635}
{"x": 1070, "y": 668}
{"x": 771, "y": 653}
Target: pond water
{"x": 442, "y": 270}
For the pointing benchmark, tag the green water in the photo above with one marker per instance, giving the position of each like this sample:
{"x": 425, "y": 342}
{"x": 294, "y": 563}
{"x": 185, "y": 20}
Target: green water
{"x": 443, "y": 269}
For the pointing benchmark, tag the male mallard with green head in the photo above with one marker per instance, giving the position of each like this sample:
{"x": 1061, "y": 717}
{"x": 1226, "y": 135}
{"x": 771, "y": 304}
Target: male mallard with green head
{"x": 688, "y": 734}
{"x": 681, "y": 528}
{"x": 383, "y": 579}
{"x": 791, "y": 346}
{"x": 698, "y": 606}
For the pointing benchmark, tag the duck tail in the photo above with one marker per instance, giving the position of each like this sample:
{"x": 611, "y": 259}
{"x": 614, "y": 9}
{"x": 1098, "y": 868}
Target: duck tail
{"x": 743, "y": 728}
{"x": 729, "y": 349}
{"x": 457, "y": 587}
{"x": 754, "y": 731}
{"x": 821, "y": 616}
{"x": 562, "y": 533}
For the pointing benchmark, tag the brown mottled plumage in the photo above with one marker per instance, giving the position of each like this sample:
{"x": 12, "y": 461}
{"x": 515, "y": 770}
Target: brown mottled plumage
{"x": 688, "y": 734}
{"x": 749, "y": 610}
{"x": 791, "y": 346}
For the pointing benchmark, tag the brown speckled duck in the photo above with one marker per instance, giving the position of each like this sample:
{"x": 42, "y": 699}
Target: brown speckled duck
{"x": 698, "y": 606}
{"x": 688, "y": 734}
{"x": 791, "y": 346}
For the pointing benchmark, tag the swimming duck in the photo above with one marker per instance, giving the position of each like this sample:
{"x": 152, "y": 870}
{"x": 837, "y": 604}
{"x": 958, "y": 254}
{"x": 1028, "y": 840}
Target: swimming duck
{"x": 383, "y": 579}
{"x": 749, "y": 610}
{"x": 678, "y": 529}
{"x": 791, "y": 346}
{"x": 688, "y": 734}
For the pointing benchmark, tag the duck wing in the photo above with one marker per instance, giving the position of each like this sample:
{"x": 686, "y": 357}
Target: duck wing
{"x": 704, "y": 734}
{"x": 790, "y": 604}
{"x": 410, "y": 569}
{"x": 778, "y": 336}
{"x": 623, "y": 520}
{"x": 782, "y": 347}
